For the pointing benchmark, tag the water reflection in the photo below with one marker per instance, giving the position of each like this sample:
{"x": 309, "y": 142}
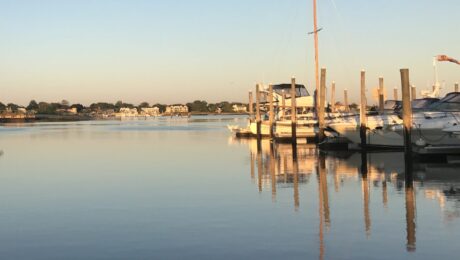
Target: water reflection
{"x": 384, "y": 174}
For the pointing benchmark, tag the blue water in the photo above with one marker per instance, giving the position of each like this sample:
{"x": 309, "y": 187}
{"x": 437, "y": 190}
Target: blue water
{"x": 183, "y": 188}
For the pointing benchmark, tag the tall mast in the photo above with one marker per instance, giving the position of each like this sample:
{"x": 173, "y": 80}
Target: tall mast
{"x": 315, "y": 31}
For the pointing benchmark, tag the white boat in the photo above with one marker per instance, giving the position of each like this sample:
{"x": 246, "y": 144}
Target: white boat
{"x": 283, "y": 125}
{"x": 436, "y": 124}
{"x": 380, "y": 132}
{"x": 440, "y": 125}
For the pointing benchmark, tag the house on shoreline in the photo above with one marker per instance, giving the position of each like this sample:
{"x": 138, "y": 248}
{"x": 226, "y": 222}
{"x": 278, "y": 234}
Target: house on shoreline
{"x": 180, "y": 110}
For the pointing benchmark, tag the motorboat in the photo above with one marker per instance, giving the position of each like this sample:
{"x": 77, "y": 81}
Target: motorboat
{"x": 282, "y": 99}
{"x": 439, "y": 124}
{"x": 385, "y": 130}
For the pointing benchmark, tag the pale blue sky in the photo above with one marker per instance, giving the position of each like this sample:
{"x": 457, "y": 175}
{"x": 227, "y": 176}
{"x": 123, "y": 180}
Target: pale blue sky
{"x": 180, "y": 50}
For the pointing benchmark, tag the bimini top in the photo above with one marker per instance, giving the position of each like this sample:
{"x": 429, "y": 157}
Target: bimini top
{"x": 301, "y": 91}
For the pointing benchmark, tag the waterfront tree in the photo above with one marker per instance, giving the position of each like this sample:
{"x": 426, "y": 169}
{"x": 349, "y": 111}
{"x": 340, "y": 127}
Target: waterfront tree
{"x": 79, "y": 107}
{"x": 65, "y": 103}
{"x": 144, "y": 104}
{"x": 33, "y": 105}
{"x": 13, "y": 107}
{"x": 198, "y": 106}
{"x": 162, "y": 107}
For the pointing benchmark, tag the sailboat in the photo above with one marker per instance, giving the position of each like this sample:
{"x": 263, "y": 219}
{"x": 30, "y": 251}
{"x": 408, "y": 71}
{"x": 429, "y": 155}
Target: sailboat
{"x": 306, "y": 125}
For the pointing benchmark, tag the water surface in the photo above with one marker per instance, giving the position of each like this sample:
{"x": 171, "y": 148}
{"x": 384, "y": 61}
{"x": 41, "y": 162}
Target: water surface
{"x": 175, "y": 188}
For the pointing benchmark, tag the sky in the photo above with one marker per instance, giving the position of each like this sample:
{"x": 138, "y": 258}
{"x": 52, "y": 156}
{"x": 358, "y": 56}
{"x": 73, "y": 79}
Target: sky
{"x": 175, "y": 51}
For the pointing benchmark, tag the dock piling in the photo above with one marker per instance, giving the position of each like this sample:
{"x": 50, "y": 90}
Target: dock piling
{"x": 381, "y": 96}
{"x": 322, "y": 101}
{"x": 407, "y": 114}
{"x": 456, "y": 87}
{"x": 413, "y": 92}
{"x": 362, "y": 111}
{"x": 251, "y": 107}
{"x": 258, "y": 119}
{"x": 271, "y": 116}
{"x": 333, "y": 97}
{"x": 345, "y": 100}
{"x": 293, "y": 112}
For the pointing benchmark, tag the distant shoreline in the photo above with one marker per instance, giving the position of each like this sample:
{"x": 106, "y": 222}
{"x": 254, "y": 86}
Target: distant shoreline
{"x": 77, "y": 118}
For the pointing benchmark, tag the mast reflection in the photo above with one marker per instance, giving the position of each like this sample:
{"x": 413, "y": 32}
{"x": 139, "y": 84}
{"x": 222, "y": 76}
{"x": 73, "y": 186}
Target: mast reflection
{"x": 383, "y": 173}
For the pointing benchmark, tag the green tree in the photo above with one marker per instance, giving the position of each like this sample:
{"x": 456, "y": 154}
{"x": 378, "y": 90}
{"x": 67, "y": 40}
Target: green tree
{"x": 65, "y": 103}
{"x": 2, "y": 107}
{"x": 79, "y": 107}
{"x": 162, "y": 107}
{"x": 144, "y": 104}
{"x": 212, "y": 108}
{"x": 198, "y": 106}
{"x": 33, "y": 105}
{"x": 226, "y": 107}
{"x": 13, "y": 107}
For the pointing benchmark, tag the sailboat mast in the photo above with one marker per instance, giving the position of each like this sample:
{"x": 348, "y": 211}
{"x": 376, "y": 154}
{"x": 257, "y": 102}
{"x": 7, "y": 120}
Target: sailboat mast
{"x": 315, "y": 31}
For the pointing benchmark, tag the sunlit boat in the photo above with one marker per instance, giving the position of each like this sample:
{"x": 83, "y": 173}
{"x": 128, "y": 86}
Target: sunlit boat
{"x": 385, "y": 130}
{"x": 439, "y": 124}
{"x": 283, "y": 124}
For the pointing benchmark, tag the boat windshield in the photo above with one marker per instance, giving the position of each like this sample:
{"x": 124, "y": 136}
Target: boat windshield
{"x": 423, "y": 102}
{"x": 451, "y": 102}
{"x": 301, "y": 91}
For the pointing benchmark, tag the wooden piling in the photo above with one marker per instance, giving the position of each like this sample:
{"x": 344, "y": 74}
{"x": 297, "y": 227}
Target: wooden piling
{"x": 322, "y": 103}
{"x": 456, "y": 87}
{"x": 410, "y": 220}
{"x": 271, "y": 117}
{"x": 413, "y": 92}
{"x": 381, "y": 96}
{"x": 362, "y": 112}
{"x": 395, "y": 93}
{"x": 345, "y": 98}
{"x": 333, "y": 97}
{"x": 293, "y": 112}
{"x": 251, "y": 107}
{"x": 407, "y": 113}
{"x": 283, "y": 103}
{"x": 258, "y": 119}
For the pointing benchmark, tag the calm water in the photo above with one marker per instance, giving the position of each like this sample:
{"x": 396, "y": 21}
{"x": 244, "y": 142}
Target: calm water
{"x": 182, "y": 188}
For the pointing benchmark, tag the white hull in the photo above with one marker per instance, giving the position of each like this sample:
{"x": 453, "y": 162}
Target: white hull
{"x": 379, "y": 134}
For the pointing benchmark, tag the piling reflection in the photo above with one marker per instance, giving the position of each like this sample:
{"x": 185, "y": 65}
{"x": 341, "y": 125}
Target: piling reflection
{"x": 383, "y": 174}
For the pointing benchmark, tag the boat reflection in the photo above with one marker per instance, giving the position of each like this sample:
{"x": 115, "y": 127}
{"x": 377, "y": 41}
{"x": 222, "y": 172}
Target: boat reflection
{"x": 383, "y": 173}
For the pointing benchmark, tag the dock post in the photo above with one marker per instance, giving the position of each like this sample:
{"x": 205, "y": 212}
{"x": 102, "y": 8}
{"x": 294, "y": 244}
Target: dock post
{"x": 362, "y": 111}
{"x": 271, "y": 118}
{"x": 283, "y": 103}
{"x": 381, "y": 96}
{"x": 395, "y": 93}
{"x": 251, "y": 107}
{"x": 258, "y": 119}
{"x": 322, "y": 101}
{"x": 456, "y": 87}
{"x": 407, "y": 118}
{"x": 333, "y": 97}
{"x": 413, "y": 92}
{"x": 345, "y": 100}
{"x": 293, "y": 112}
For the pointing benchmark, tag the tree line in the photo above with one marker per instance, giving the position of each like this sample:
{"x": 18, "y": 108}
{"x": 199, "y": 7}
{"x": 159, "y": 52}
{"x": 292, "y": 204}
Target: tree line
{"x": 199, "y": 106}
